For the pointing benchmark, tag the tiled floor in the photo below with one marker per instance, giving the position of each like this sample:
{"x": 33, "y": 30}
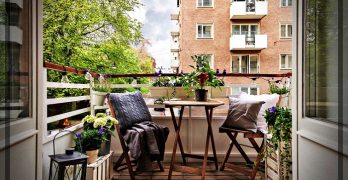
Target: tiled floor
{"x": 211, "y": 174}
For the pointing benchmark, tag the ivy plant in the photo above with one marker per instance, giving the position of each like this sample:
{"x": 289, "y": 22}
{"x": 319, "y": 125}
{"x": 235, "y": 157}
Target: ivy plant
{"x": 279, "y": 120}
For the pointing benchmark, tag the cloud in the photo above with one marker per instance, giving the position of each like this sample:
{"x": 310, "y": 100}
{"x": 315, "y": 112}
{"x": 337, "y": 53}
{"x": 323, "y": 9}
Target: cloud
{"x": 155, "y": 16}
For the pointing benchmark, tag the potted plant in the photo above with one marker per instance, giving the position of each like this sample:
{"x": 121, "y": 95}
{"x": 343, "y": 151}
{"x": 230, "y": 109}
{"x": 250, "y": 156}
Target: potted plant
{"x": 279, "y": 120}
{"x": 104, "y": 123}
{"x": 91, "y": 141}
{"x": 198, "y": 80}
{"x": 99, "y": 91}
{"x": 281, "y": 90}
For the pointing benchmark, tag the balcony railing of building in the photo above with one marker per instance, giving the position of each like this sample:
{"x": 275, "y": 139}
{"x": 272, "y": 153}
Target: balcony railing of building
{"x": 248, "y": 9}
{"x": 193, "y": 117}
{"x": 248, "y": 41}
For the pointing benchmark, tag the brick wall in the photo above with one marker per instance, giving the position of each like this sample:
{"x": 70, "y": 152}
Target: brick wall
{"x": 219, "y": 15}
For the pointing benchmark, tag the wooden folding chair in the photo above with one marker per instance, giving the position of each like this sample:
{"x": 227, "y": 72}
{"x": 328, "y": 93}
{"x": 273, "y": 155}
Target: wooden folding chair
{"x": 125, "y": 150}
{"x": 232, "y": 134}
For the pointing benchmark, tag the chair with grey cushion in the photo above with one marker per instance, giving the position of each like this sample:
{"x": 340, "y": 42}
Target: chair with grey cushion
{"x": 129, "y": 109}
{"x": 242, "y": 119}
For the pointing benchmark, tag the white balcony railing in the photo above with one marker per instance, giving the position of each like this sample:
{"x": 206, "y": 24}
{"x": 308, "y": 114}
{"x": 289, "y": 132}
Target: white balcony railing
{"x": 248, "y": 9}
{"x": 243, "y": 42}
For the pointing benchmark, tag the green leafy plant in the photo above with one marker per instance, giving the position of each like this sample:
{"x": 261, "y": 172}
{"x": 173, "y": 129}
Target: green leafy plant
{"x": 276, "y": 89}
{"x": 279, "y": 120}
{"x": 167, "y": 82}
{"x": 90, "y": 139}
{"x": 202, "y": 75}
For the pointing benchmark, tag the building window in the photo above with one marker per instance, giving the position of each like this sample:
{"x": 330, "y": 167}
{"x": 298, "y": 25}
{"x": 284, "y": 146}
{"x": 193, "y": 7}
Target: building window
{"x": 285, "y": 31}
{"x": 245, "y": 64}
{"x": 248, "y": 90}
{"x": 205, "y": 3}
{"x": 204, "y": 30}
{"x": 245, "y": 29}
{"x": 16, "y": 62}
{"x": 285, "y": 3}
{"x": 208, "y": 57}
{"x": 285, "y": 61}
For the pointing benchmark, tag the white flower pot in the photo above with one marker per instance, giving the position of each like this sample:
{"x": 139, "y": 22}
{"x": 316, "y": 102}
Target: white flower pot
{"x": 97, "y": 98}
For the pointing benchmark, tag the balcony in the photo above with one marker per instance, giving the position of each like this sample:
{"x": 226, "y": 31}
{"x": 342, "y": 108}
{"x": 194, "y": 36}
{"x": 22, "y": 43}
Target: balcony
{"x": 248, "y": 9}
{"x": 174, "y": 17}
{"x": 243, "y": 42}
{"x": 174, "y": 47}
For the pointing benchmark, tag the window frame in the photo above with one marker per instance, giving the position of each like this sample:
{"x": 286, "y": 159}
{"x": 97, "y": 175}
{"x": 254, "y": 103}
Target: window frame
{"x": 240, "y": 62}
{"x": 286, "y": 60}
{"x": 249, "y": 25}
{"x": 287, "y": 3}
{"x": 286, "y": 24}
{"x": 249, "y": 90}
{"x": 197, "y": 4}
{"x": 205, "y": 24}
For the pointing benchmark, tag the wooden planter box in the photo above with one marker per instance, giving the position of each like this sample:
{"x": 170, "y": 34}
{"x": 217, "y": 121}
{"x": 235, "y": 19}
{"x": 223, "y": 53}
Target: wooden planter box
{"x": 102, "y": 169}
{"x": 158, "y": 92}
{"x": 219, "y": 92}
{"x": 273, "y": 170}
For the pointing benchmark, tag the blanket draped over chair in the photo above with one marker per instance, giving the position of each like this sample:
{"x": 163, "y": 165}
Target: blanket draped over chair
{"x": 146, "y": 142}
{"x": 144, "y": 138}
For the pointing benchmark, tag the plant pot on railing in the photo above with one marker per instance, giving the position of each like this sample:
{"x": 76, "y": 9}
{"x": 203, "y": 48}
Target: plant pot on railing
{"x": 97, "y": 98}
{"x": 158, "y": 92}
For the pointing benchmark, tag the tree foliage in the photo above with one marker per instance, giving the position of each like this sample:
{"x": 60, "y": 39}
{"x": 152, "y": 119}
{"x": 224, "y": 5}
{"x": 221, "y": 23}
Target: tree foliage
{"x": 97, "y": 35}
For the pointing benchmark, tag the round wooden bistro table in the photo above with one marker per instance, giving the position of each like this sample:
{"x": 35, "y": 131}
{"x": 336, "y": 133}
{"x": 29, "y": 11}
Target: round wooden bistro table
{"x": 209, "y": 106}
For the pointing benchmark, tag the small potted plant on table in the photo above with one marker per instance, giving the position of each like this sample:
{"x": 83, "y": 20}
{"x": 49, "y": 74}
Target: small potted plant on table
{"x": 201, "y": 78}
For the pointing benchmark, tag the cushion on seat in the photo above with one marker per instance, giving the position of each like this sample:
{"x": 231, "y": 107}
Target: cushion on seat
{"x": 129, "y": 108}
{"x": 242, "y": 115}
{"x": 270, "y": 101}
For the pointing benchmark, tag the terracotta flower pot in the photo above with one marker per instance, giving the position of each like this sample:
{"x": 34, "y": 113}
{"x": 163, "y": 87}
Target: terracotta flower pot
{"x": 201, "y": 94}
{"x": 92, "y": 156}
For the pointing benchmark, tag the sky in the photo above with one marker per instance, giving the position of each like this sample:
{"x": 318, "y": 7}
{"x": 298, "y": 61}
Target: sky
{"x": 155, "y": 17}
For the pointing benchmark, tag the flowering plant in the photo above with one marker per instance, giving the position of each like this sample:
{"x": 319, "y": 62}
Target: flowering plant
{"x": 91, "y": 139}
{"x": 280, "y": 121}
{"x": 202, "y": 75}
{"x": 100, "y": 121}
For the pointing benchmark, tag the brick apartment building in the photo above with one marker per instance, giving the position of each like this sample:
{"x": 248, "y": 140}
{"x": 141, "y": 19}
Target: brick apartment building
{"x": 241, "y": 36}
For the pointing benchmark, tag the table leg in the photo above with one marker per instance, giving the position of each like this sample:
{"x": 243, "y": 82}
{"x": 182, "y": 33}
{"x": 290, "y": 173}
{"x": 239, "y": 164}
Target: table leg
{"x": 177, "y": 137}
{"x": 212, "y": 137}
{"x": 176, "y": 128}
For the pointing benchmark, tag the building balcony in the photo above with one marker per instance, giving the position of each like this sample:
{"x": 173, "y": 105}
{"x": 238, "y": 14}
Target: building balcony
{"x": 174, "y": 47}
{"x": 250, "y": 9}
{"x": 174, "y": 17}
{"x": 174, "y": 63}
{"x": 243, "y": 42}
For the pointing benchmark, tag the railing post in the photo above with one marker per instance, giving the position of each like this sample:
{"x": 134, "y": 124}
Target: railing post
{"x": 44, "y": 105}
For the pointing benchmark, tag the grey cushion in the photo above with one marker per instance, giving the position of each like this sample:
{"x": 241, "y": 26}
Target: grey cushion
{"x": 130, "y": 108}
{"x": 242, "y": 116}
